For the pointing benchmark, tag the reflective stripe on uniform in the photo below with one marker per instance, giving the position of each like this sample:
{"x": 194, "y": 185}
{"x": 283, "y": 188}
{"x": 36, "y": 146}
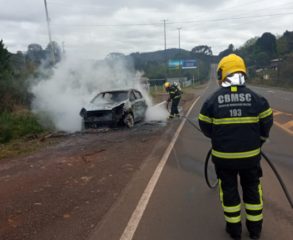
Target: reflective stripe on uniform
{"x": 266, "y": 113}
{"x": 256, "y": 207}
{"x": 231, "y": 155}
{"x": 205, "y": 118}
{"x": 229, "y": 209}
{"x": 219, "y": 121}
{"x": 253, "y": 207}
{"x": 233, "y": 219}
{"x": 238, "y": 120}
{"x": 254, "y": 218}
{"x": 232, "y": 209}
{"x": 260, "y": 192}
{"x": 220, "y": 190}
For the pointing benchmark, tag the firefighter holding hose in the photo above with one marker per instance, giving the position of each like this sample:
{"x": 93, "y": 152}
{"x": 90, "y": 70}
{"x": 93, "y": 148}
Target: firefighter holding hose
{"x": 175, "y": 93}
{"x": 238, "y": 121}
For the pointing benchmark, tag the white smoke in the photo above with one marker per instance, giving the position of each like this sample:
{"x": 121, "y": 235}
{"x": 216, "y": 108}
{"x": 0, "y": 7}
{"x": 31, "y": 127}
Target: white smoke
{"x": 75, "y": 82}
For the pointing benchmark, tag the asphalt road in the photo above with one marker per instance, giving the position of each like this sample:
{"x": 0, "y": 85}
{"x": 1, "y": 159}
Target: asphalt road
{"x": 182, "y": 207}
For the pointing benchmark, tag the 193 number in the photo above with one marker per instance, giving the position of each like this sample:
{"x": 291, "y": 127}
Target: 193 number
{"x": 235, "y": 113}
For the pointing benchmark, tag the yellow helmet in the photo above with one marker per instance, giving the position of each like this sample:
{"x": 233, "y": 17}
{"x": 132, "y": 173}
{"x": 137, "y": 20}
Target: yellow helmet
{"x": 230, "y": 64}
{"x": 167, "y": 84}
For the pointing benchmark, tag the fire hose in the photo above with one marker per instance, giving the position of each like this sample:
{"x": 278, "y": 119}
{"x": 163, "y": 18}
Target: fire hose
{"x": 214, "y": 184}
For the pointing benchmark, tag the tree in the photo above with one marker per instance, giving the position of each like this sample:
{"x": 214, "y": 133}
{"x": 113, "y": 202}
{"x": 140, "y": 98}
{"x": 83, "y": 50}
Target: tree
{"x": 4, "y": 58}
{"x": 6, "y": 83}
{"x": 35, "y": 53}
{"x": 285, "y": 43}
{"x": 262, "y": 59}
{"x": 202, "y": 50}
{"x": 249, "y": 43}
{"x": 267, "y": 43}
{"x": 53, "y": 48}
{"x": 115, "y": 56}
{"x": 227, "y": 51}
{"x": 247, "y": 51}
{"x": 289, "y": 37}
{"x": 203, "y": 53}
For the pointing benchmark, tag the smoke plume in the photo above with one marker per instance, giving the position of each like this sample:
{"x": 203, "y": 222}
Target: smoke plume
{"x": 75, "y": 82}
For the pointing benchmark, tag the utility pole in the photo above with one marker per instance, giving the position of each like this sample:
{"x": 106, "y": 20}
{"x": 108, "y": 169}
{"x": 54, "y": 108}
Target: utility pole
{"x": 49, "y": 33}
{"x": 179, "y": 50}
{"x": 165, "y": 48}
{"x": 165, "y": 41}
{"x": 179, "y": 47}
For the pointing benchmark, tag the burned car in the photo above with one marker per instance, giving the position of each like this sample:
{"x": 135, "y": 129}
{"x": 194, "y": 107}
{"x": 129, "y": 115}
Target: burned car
{"x": 114, "y": 108}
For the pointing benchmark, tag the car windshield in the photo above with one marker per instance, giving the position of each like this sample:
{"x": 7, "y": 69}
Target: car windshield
{"x": 110, "y": 97}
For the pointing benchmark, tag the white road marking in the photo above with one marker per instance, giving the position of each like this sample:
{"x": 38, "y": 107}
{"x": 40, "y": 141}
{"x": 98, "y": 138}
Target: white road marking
{"x": 143, "y": 202}
{"x": 283, "y": 127}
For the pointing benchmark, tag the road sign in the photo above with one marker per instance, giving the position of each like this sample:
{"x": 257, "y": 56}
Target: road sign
{"x": 174, "y": 64}
{"x": 189, "y": 64}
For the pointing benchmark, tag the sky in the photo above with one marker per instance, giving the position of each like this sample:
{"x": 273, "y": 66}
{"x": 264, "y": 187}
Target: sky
{"x": 95, "y": 28}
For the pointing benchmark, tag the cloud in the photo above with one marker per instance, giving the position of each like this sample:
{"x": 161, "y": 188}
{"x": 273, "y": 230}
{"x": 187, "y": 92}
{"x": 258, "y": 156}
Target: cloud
{"x": 19, "y": 11}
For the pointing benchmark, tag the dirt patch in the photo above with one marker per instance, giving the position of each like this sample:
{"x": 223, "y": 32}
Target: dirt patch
{"x": 64, "y": 190}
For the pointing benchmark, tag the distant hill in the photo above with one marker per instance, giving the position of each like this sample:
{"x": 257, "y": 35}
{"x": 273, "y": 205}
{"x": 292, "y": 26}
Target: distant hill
{"x": 154, "y": 64}
{"x": 173, "y": 53}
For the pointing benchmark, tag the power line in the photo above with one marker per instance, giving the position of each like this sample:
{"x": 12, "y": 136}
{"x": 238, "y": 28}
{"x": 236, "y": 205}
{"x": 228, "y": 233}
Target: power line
{"x": 117, "y": 25}
{"x": 254, "y": 11}
{"x": 233, "y": 18}
{"x": 183, "y": 22}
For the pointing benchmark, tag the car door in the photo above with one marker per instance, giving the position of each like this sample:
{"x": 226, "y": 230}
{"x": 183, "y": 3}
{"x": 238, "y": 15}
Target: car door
{"x": 140, "y": 104}
{"x": 134, "y": 105}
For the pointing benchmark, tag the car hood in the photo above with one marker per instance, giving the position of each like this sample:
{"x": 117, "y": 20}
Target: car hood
{"x": 103, "y": 106}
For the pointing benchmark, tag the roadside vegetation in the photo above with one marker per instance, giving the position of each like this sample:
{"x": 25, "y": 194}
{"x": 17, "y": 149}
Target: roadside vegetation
{"x": 17, "y": 125}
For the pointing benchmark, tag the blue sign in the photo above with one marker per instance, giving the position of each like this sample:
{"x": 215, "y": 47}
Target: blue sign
{"x": 174, "y": 64}
{"x": 189, "y": 64}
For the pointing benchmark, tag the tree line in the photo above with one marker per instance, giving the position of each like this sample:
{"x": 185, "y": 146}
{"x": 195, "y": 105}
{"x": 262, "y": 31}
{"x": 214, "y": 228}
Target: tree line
{"x": 269, "y": 58}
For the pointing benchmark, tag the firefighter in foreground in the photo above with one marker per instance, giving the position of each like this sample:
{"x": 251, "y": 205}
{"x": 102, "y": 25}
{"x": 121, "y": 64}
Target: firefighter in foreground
{"x": 238, "y": 122}
{"x": 174, "y": 97}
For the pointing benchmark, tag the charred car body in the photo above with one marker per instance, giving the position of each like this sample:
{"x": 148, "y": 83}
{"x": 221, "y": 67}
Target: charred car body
{"x": 112, "y": 108}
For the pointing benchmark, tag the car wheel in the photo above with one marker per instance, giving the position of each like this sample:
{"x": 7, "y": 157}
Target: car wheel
{"x": 128, "y": 120}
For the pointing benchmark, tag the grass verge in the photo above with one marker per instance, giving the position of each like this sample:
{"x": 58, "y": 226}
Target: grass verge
{"x": 20, "y": 134}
